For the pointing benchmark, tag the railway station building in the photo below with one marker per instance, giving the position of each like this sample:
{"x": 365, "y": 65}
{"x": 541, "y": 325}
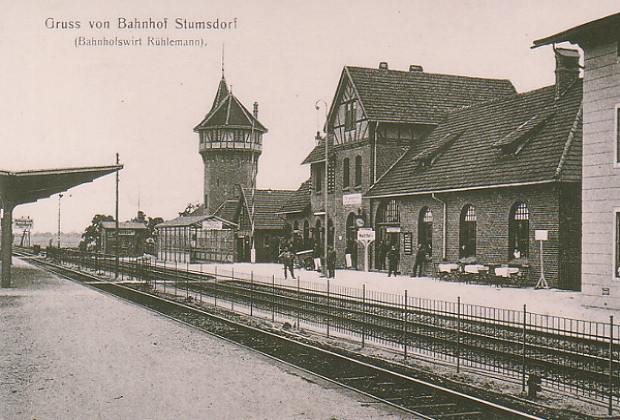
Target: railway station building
{"x": 600, "y": 260}
{"x": 376, "y": 115}
{"x": 487, "y": 178}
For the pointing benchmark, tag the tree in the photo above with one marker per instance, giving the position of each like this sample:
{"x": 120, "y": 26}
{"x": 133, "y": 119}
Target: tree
{"x": 92, "y": 233}
{"x": 189, "y": 209}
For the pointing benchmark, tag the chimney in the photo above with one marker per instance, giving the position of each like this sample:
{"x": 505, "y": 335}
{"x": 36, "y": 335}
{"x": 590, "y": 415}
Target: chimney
{"x": 566, "y": 69}
{"x": 255, "y": 110}
{"x": 383, "y": 65}
{"x": 318, "y": 138}
{"x": 416, "y": 68}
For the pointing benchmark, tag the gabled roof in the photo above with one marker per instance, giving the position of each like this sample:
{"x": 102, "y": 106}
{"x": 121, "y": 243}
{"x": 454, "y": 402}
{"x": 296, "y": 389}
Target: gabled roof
{"x": 299, "y": 201}
{"x": 550, "y": 154}
{"x": 266, "y": 204}
{"x": 605, "y": 28}
{"x": 230, "y": 113}
{"x": 229, "y": 210}
{"x": 317, "y": 154}
{"x": 415, "y": 96}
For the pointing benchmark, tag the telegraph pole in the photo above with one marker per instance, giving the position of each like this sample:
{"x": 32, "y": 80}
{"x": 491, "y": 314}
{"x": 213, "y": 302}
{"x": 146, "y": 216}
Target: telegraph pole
{"x": 116, "y": 221}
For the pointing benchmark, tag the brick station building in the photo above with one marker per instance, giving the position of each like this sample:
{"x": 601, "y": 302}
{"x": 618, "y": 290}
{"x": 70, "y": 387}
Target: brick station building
{"x": 487, "y": 178}
{"x": 376, "y": 115}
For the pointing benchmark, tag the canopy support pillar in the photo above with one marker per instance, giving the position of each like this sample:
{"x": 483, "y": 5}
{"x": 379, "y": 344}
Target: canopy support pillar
{"x": 7, "y": 242}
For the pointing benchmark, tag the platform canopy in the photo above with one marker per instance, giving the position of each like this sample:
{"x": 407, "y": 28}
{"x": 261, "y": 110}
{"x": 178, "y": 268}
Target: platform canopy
{"x": 20, "y": 187}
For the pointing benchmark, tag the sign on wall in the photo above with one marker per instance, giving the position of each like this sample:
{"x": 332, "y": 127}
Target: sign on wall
{"x": 541, "y": 235}
{"x": 352, "y": 200}
{"x": 408, "y": 243}
{"x": 212, "y": 224}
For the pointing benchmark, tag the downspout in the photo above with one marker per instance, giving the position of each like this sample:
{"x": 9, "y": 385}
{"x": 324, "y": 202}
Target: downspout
{"x": 444, "y": 251}
{"x": 374, "y": 170}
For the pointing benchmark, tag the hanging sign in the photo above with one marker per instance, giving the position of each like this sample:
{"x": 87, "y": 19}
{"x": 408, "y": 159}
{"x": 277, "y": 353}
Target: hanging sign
{"x": 541, "y": 235}
{"x": 392, "y": 229}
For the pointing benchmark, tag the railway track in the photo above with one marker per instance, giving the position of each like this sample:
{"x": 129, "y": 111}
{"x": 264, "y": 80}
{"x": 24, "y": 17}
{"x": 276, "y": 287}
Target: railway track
{"x": 417, "y": 397}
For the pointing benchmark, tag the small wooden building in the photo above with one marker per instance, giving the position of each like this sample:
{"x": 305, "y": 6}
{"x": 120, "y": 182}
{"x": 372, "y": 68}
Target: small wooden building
{"x": 131, "y": 238}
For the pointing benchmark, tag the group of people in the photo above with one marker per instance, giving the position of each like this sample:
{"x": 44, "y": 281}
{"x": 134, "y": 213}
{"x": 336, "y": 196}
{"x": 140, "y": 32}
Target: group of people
{"x": 287, "y": 258}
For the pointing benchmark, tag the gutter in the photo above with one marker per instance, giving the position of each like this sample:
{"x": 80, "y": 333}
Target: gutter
{"x": 444, "y": 245}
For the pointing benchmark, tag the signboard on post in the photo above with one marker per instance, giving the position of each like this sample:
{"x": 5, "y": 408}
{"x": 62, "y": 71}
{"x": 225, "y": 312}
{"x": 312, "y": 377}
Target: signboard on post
{"x": 24, "y": 223}
{"x": 541, "y": 236}
{"x": 366, "y": 236}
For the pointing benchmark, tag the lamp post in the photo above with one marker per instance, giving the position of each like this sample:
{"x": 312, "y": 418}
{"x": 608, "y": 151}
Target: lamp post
{"x": 58, "y": 238}
{"x": 325, "y": 186}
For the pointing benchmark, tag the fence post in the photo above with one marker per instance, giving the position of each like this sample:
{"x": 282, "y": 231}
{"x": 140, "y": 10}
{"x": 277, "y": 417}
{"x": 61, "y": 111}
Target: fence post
{"x": 524, "y": 361}
{"x": 215, "y": 288}
{"x": 187, "y": 281}
{"x": 611, "y": 365}
{"x": 176, "y": 273}
{"x": 327, "y": 318}
{"x": 252, "y": 293}
{"x": 405, "y": 325}
{"x": 458, "y": 334}
{"x": 298, "y": 301}
{"x": 363, "y": 314}
{"x": 273, "y": 298}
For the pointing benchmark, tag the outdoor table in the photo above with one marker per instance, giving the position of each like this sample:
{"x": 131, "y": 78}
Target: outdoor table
{"x": 506, "y": 271}
{"x": 475, "y": 268}
{"x": 448, "y": 267}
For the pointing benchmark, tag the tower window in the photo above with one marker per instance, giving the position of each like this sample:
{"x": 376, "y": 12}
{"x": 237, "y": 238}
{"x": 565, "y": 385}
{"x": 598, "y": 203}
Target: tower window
{"x": 358, "y": 171}
{"x": 350, "y": 115}
{"x": 318, "y": 178}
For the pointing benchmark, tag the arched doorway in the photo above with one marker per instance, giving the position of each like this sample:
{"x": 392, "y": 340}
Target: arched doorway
{"x": 317, "y": 238}
{"x": 387, "y": 227}
{"x": 519, "y": 231}
{"x": 351, "y": 244}
{"x": 306, "y": 235}
{"x": 467, "y": 232}
{"x": 425, "y": 230}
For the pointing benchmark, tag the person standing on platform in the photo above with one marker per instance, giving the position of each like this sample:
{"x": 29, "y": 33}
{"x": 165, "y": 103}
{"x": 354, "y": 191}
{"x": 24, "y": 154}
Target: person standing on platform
{"x": 287, "y": 259}
{"x": 420, "y": 260}
{"x": 331, "y": 263}
{"x": 392, "y": 257}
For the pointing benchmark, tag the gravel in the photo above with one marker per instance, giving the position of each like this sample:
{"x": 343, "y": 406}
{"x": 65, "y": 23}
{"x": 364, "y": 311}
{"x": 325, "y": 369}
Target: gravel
{"x": 69, "y": 352}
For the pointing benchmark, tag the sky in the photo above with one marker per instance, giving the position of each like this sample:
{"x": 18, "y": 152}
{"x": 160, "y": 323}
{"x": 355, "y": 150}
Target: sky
{"x": 65, "y": 106}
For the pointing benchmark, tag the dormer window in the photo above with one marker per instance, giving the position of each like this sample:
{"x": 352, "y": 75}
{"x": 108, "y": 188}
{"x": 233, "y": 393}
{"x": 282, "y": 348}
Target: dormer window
{"x": 517, "y": 139}
{"x": 431, "y": 153}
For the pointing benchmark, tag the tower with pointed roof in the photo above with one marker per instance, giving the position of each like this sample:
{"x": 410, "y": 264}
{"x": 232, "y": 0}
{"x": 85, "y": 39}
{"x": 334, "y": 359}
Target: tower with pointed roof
{"x": 230, "y": 145}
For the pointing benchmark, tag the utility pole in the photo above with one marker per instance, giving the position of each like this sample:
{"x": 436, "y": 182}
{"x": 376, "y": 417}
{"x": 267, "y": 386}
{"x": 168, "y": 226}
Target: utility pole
{"x": 58, "y": 235}
{"x": 325, "y": 186}
{"x": 116, "y": 248}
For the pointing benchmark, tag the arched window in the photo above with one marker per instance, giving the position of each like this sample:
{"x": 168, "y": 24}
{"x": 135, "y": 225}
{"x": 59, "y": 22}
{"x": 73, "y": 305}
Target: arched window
{"x": 467, "y": 232}
{"x": 425, "y": 229}
{"x": 519, "y": 231}
{"x": 358, "y": 171}
{"x": 345, "y": 173}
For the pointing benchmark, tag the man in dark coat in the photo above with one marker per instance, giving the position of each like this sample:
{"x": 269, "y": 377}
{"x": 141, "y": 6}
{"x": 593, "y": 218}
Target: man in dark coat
{"x": 420, "y": 260}
{"x": 393, "y": 257}
{"x": 331, "y": 262}
{"x": 288, "y": 259}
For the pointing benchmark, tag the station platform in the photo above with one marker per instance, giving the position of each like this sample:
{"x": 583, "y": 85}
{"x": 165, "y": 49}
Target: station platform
{"x": 67, "y": 351}
{"x": 554, "y": 302}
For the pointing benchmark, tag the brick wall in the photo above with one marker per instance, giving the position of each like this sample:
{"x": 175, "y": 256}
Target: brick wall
{"x": 223, "y": 170}
{"x": 492, "y": 213}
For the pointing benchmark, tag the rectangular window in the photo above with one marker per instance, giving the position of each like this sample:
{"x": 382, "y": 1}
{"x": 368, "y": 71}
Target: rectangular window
{"x": 318, "y": 178}
{"x": 617, "y": 246}
{"x": 350, "y": 115}
{"x": 617, "y": 124}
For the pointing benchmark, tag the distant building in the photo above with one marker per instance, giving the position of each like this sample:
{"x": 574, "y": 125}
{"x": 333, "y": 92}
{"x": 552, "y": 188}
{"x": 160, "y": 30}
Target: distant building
{"x": 131, "y": 238}
{"x": 226, "y": 235}
{"x": 600, "y": 41}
